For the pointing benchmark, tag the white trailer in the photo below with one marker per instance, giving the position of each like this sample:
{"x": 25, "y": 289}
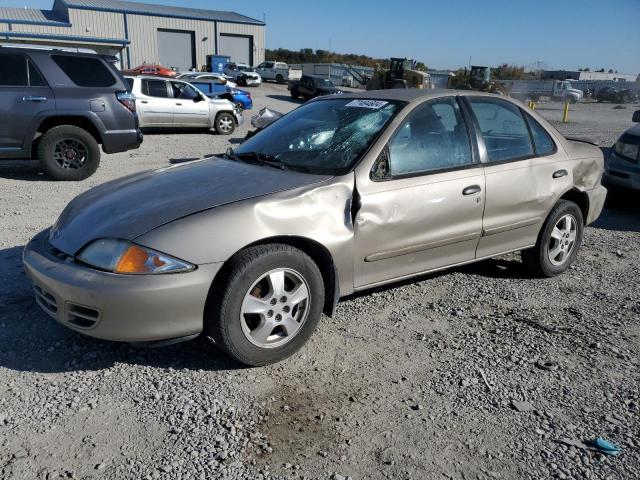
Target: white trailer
{"x": 536, "y": 89}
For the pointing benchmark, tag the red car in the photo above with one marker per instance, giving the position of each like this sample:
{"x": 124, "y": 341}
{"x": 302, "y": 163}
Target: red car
{"x": 150, "y": 69}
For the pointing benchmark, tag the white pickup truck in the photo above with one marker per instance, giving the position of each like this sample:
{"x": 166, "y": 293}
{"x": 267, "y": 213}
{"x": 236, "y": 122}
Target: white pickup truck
{"x": 278, "y": 71}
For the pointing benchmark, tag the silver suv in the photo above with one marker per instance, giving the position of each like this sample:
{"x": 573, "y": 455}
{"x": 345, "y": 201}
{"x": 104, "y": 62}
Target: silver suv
{"x": 60, "y": 104}
{"x": 170, "y": 103}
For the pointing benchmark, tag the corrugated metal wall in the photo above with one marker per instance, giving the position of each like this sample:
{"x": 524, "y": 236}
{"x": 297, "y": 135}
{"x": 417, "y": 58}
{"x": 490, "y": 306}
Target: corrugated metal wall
{"x": 143, "y": 33}
{"x": 84, "y": 23}
{"x": 257, "y": 31}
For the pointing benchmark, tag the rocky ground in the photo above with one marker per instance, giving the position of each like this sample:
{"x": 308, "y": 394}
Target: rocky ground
{"x": 476, "y": 373}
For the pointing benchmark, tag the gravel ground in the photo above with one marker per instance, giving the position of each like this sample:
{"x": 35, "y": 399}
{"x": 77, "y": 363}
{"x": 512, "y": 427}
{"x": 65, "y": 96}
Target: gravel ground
{"x": 479, "y": 372}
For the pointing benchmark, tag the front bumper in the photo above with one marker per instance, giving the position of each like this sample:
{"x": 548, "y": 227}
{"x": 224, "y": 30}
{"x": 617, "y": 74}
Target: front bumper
{"x": 128, "y": 308}
{"x": 623, "y": 173}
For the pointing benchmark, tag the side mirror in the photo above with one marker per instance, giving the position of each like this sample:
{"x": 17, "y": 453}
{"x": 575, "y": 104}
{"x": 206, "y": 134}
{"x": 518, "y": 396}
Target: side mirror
{"x": 636, "y": 116}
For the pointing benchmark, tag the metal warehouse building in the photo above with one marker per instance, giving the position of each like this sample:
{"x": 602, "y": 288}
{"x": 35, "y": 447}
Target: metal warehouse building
{"x": 138, "y": 33}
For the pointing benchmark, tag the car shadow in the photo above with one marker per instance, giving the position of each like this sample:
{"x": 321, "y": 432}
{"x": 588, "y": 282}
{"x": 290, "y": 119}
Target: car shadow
{"x": 31, "y": 341}
{"x": 286, "y": 98}
{"x": 621, "y": 212}
{"x": 498, "y": 268}
{"x": 24, "y": 170}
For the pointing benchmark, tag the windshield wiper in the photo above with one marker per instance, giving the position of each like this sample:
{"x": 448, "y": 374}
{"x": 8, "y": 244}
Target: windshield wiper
{"x": 256, "y": 157}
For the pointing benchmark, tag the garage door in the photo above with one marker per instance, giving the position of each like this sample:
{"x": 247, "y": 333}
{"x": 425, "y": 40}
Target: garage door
{"x": 176, "y": 49}
{"x": 238, "y": 48}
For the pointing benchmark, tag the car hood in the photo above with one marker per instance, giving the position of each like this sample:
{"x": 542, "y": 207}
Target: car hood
{"x": 132, "y": 206}
{"x": 632, "y": 135}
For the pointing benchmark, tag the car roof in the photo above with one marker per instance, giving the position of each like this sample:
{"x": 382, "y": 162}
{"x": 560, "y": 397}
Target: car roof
{"x": 415, "y": 94}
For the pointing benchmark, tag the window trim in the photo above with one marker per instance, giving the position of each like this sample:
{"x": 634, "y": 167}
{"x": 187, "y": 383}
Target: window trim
{"x": 470, "y": 139}
{"x": 484, "y": 157}
{"x": 528, "y": 118}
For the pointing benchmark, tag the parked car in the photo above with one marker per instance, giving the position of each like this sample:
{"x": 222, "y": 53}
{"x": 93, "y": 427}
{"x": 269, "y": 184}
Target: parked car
{"x": 616, "y": 95}
{"x": 173, "y": 103}
{"x": 278, "y": 71}
{"x": 208, "y": 77}
{"x": 240, "y": 98}
{"x": 341, "y": 195}
{"x": 622, "y": 169}
{"x": 60, "y": 105}
{"x": 310, "y": 86}
{"x": 150, "y": 69}
{"x": 242, "y": 74}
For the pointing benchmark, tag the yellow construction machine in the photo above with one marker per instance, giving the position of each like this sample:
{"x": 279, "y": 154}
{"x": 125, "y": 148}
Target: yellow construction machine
{"x": 402, "y": 73}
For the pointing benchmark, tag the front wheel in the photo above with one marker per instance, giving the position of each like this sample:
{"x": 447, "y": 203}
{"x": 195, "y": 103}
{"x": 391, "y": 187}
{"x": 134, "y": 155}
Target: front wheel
{"x": 558, "y": 242}
{"x": 279, "y": 78}
{"x": 269, "y": 305}
{"x": 295, "y": 94}
{"x": 68, "y": 152}
{"x": 225, "y": 123}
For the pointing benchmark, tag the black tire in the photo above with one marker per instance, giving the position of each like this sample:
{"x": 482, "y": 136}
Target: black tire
{"x": 77, "y": 140}
{"x": 295, "y": 94}
{"x": 537, "y": 258}
{"x": 240, "y": 106}
{"x": 222, "y": 316}
{"x": 225, "y": 123}
{"x": 571, "y": 99}
{"x": 279, "y": 78}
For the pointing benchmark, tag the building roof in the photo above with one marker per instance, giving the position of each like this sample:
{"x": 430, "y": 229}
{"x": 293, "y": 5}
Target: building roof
{"x": 160, "y": 10}
{"x": 31, "y": 16}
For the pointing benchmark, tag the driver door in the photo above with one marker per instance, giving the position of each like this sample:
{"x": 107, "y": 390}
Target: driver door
{"x": 421, "y": 204}
{"x": 190, "y": 108}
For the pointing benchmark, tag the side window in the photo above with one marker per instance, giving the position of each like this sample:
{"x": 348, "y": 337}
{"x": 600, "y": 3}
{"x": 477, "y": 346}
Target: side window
{"x": 184, "y": 91}
{"x": 129, "y": 82}
{"x": 541, "y": 139}
{"x": 155, "y": 88}
{"x": 35, "y": 77}
{"x": 14, "y": 71}
{"x": 504, "y": 130}
{"x": 85, "y": 71}
{"x": 433, "y": 137}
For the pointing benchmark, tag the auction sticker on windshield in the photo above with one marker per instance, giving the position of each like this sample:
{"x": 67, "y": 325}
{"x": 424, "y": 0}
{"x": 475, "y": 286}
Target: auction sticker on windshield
{"x": 375, "y": 104}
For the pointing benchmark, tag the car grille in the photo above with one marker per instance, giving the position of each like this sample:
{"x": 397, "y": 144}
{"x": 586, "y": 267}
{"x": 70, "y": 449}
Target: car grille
{"x": 46, "y": 301}
{"x": 82, "y": 317}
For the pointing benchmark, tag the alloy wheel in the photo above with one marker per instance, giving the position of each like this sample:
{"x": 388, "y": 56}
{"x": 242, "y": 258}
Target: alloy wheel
{"x": 274, "y": 308}
{"x": 69, "y": 153}
{"x": 225, "y": 123}
{"x": 562, "y": 240}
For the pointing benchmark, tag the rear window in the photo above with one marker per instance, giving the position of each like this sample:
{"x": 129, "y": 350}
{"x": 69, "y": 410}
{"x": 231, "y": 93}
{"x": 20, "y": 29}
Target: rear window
{"x": 155, "y": 88}
{"x": 129, "y": 82}
{"x": 85, "y": 71}
{"x": 541, "y": 139}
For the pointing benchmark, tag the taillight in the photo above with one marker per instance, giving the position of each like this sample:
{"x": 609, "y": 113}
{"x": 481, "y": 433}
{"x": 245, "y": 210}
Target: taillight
{"x": 127, "y": 99}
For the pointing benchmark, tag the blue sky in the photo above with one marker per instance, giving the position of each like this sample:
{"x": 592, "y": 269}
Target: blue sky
{"x": 445, "y": 33}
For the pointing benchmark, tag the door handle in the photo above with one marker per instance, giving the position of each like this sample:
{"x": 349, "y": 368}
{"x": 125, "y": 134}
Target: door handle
{"x": 178, "y": 103}
{"x": 472, "y": 190}
{"x": 560, "y": 173}
{"x": 34, "y": 98}
{"x": 143, "y": 101}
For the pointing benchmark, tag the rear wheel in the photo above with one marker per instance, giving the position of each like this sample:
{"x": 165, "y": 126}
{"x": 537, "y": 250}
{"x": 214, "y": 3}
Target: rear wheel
{"x": 295, "y": 94}
{"x": 270, "y": 304}
{"x": 68, "y": 152}
{"x": 558, "y": 242}
{"x": 279, "y": 78}
{"x": 225, "y": 123}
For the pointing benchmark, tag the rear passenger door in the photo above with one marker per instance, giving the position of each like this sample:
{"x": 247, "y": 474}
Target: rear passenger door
{"x": 156, "y": 103}
{"x": 525, "y": 174}
{"x": 24, "y": 96}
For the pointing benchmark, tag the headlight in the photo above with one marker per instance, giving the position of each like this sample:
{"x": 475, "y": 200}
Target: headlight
{"x": 120, "y": 256}
{"x": 627, "y": 150}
